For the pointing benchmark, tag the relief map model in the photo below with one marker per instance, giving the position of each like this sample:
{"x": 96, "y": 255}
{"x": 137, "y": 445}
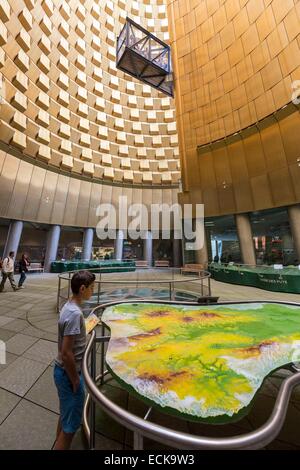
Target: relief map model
{"x": 201, "y": 363}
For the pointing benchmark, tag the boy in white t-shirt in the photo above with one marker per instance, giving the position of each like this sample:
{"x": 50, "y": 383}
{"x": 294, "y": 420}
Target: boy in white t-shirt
{"x": 67, "y": 370}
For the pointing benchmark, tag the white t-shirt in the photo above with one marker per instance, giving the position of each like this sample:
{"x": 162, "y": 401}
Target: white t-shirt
{"x": 71, "y": 323}
{"x": 8, "y": 265}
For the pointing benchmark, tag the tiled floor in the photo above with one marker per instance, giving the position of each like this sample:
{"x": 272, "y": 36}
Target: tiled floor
{"x": 28, "y": 400}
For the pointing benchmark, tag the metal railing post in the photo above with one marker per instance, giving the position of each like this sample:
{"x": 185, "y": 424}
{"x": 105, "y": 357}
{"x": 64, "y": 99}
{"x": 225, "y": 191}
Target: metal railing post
{"x": 58, "y": 294}
{"x": 69, "y": 284}
{"x": 92, "y": 409}
{"x": 102, "y": 357}
{"x": 98, "y": 293}
{"x": 138, "y": 441}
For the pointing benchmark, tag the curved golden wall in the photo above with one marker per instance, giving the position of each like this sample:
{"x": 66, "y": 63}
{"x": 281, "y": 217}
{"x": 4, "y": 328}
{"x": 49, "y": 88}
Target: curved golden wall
{"x": 32, "y": 193}
{"x": 235, "y": 61}
{"x": 64, "y": 102}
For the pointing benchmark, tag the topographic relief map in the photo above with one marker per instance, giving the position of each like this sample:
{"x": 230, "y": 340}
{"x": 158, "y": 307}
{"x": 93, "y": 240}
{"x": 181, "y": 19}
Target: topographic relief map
{"x": 205, "y": 363}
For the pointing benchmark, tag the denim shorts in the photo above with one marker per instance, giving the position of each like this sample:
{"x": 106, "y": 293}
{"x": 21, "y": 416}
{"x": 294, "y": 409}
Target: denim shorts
{"x": 70, "y": 403}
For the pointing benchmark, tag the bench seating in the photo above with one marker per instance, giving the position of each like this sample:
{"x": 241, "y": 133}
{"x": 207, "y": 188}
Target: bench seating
{"x": 141, "y": 264}
{"x": 161, "y": 264}
{"x": 192, "y": 268}
{"x": 35, "y": 267}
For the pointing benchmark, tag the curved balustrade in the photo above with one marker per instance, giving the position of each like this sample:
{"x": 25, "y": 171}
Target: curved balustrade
{"x": 141, "y": 427}
{"x": 157, "y": 283}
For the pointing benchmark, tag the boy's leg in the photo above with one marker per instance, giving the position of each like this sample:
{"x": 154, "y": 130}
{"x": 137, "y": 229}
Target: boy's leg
{"x": 58, "y": 429}
{"x": 4, "y": 277}
{"x": 12, "y": 280}
{"x": 71, "y": 408}
{"x": 63, "y": 441}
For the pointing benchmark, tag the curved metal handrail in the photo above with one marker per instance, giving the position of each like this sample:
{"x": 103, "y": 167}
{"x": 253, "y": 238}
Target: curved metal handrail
{"x": 138, "y": 281}
{"x": 252, "y": 440}
{"x": 204, "y": 275}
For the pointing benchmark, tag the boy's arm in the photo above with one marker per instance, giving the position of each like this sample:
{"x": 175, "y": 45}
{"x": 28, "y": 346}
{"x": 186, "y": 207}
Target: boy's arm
{"x": 69, "y": 361}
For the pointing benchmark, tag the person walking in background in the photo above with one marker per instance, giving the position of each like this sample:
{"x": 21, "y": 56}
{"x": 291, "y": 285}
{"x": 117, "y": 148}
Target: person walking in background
{"x": 8, "y": 266}
{"x": 23, "y": 267}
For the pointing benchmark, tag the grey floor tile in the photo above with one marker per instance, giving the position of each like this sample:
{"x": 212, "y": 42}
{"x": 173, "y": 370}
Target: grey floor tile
{"x": 9, "y": 358}
{"x": 35, "y": 332}
{"x": 46, "y": 324}
{"x": 40, "y": 317}
{"x": 42, "y": 351}
{"x": 8, "y": 401}
{"x": 13, "y": 313}
{"x": 51, "y": 337}
{"x": 20, "y": 375}
{"x": 16, "y": 325}
{"x": 26, "y": 307}
{"x": 44, "y": 392}
{"x": 19, "y": 343}
{"x": 28, "y": 427}
{"x": 5, "y": 319}
{"x": 5, "y": 335}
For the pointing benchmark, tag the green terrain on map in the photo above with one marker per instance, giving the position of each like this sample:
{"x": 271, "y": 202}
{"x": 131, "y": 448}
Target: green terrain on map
{"x": 204, "y": 363}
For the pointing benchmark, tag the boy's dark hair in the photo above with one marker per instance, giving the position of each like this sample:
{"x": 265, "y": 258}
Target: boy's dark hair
{"x": 81, "y": 278}
{"x": 11, "y": 253}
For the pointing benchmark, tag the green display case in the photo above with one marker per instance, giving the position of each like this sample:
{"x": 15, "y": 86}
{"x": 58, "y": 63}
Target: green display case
{"x": 263, "y": 277}
{"x": 110, "y": 266}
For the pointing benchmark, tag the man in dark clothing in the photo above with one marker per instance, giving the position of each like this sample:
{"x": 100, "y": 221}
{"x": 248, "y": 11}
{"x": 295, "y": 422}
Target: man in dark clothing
{"x": 23, "y": 266}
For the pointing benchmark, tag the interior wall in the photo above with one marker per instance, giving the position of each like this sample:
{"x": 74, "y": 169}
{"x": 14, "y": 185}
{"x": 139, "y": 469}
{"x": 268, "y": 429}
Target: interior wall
{"x": 235, "y": 62}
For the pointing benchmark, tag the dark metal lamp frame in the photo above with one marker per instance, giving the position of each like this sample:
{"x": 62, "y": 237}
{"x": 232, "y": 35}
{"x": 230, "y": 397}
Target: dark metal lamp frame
{"x": 145, "y": 57}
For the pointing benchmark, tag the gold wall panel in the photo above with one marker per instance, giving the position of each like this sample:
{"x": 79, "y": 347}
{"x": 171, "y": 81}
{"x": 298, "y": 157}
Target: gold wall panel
{"x": 72, "y": 202}
{"x": 8, "y": 176}
{"x": 34, "y": 194}
{"x": 234, "y": 64}
{"x": 60, "y": 199}
{"x": 18, "y": 199}
{"x": 281, "y": 187}
{"x": 95, "y": 199}
{"x": 58, "y": 66}
{"x": 30, "y": 193}
{"x": 47, "y": 197}
{"x": 83, "y": 204}
{"x": 261, "y": 192}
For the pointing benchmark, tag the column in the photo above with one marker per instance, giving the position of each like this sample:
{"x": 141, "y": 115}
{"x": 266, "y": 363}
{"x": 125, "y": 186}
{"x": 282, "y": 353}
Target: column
{"x": 52, "y": 246}
{"x": 177, "y": 258}
{"x": 244, "y": 232}
{"x": 148, "y": 244}
{"x": 13, "y": 237}
{"x": 119, "y": 245}
{"x": 202, "y": 254}
{"x": 294, "y": 218}
{"x": 88, "y": 237}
